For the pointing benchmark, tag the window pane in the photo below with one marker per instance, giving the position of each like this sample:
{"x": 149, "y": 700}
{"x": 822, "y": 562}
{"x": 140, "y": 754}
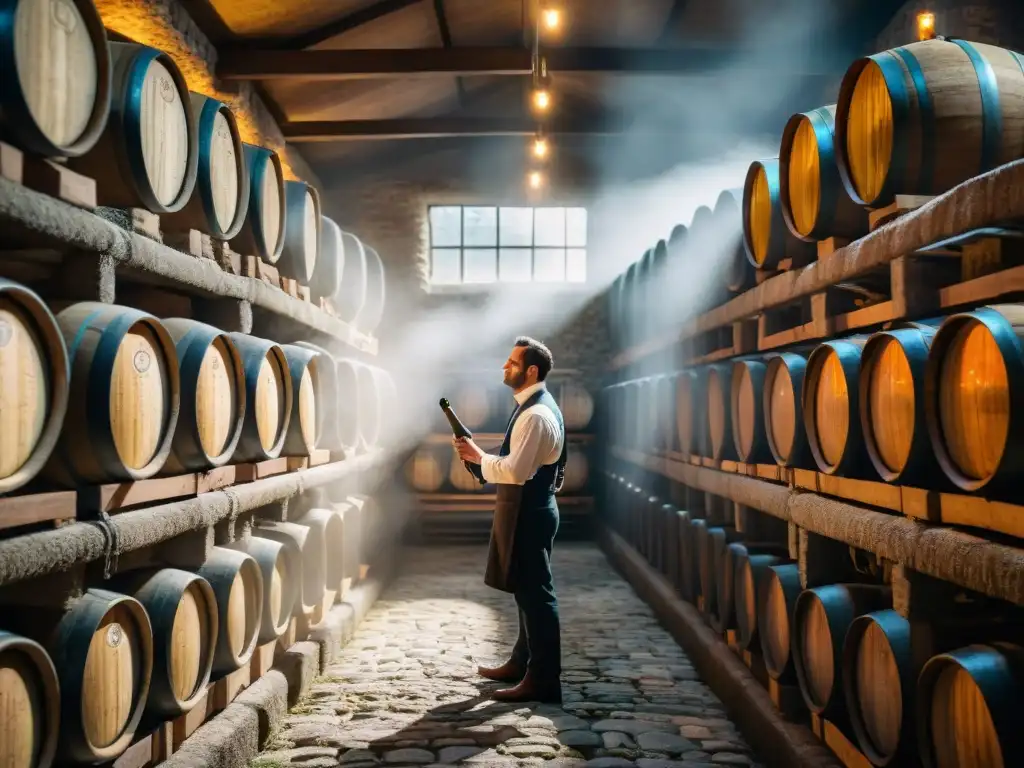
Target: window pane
{"x": 515, "y": 264}
{"x": 576, "y": 265}
{"x": 481, "y": 226}
{"x": 516, "y": 226}
{"x": 445, "y": 266}
{"x": 480, "y": 265}
{"x": 548, "y": 265}
{"x": 549, "y": 226}
{"x": 445, "y": 225}
{"x": 576, "y": 226}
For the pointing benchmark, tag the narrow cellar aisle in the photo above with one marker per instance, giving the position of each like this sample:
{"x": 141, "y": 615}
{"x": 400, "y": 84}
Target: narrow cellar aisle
{"x": 405, "y": 691}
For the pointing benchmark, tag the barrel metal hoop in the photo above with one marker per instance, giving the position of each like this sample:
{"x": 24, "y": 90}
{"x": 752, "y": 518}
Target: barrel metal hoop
{"x": 926, "y": 113}
{"x": 899, "y": 98}
{"x": 63, "y": 448}
{"x": 824, "y": 131}
{"x": 260, "y": 158}
{"x": 991, "y": 111}
{"x": 131, "y": 117}
{"x": 777, "y": 232}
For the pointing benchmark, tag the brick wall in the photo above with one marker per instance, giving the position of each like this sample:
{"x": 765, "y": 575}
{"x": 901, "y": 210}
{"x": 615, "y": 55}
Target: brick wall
{"x": 165, "y": 25}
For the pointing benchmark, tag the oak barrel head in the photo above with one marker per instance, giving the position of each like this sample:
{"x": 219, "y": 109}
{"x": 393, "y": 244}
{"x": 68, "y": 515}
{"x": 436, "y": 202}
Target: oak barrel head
{"x": 29, "y": 703}
{"x": 237, "y": 583}
{"x": 351, "y": 295}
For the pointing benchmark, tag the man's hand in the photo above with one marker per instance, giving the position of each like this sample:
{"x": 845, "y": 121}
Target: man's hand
{"x": 468, "y": 450}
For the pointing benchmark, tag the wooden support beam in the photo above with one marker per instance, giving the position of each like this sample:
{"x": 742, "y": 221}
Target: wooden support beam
{"x": 435, "y": 127}
{"x": 250, "y": 63}
{"x": 446, "y": 41}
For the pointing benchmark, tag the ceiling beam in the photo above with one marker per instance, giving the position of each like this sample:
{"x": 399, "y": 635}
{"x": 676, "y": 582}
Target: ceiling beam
{"x": 246, "y": 63}
{"x": 438, "y": 127}
{"x": 446, "y": 41}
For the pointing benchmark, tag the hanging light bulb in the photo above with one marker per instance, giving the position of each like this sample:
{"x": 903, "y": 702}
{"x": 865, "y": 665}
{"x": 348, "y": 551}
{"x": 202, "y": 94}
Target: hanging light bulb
{"x": 536, "y": 179}
{"x": 551, "y": 17}
{"x": 540, "y": 147}
{"x": 926, "y": 26}
{"x": 541, "y": 98}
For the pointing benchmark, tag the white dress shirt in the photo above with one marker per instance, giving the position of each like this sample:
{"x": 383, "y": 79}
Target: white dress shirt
{"x": 536, "y": 441}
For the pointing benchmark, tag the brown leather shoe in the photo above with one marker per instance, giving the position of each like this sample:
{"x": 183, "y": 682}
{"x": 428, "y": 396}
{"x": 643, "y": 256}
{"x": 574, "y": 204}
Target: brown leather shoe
{"x": 509, "y": 672}
{"x": 532, "y": 689}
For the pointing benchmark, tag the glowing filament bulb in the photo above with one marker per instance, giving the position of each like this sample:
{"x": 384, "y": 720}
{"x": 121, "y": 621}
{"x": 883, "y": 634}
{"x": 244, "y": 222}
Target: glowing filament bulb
{"x": 551, "y": 17}
{"x": 925, "y": 26}
{"x": 541, "y": 99}
{"x": 540, "y": 148}
{"x": 536, "y": 179}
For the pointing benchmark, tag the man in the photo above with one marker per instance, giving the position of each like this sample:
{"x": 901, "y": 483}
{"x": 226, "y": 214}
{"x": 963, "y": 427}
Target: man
{"x": 528, "y": 470}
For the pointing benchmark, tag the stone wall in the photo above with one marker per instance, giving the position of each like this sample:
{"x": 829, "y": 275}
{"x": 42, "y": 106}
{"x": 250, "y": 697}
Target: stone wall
{"x": 164, "y": 24}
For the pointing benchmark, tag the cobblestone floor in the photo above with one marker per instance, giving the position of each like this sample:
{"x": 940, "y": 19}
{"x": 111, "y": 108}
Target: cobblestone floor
{"x": 405, "y": 691}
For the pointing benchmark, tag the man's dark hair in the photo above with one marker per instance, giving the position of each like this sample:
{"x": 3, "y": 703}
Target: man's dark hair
{"x": 536, "y": 354}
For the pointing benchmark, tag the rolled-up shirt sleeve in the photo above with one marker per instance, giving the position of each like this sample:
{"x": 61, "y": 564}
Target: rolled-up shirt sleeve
{"x": 533, "y": 438}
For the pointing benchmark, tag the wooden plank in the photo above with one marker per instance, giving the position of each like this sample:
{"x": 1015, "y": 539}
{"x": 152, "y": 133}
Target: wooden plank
{"x": 262, "y": 659}
{"x": 56, "y": 180}
{"x": 228, "y": 687}
{"x": 187, "y": 724}
{"x": 319, "y": 457}
{"x": 31, "y": 508}
{"x": 215, "y": 479}
{"x": 138, "y": 755}
{"x": 836, "y": 740}
{"x": 12, "y": 163}
{"x": 246, "y": 473}
{"x": 874, "y": 494}
{"x": 958, "y": 509}
{"x": 982, "y": 289}
{"x": 114, "y": 497}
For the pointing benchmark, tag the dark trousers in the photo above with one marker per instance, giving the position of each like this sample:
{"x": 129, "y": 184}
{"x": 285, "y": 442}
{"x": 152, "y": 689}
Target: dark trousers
{"x": 539, "y": 645}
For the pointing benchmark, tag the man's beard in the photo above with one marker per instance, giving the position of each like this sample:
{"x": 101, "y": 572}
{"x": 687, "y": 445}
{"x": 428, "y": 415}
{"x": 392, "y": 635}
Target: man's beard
{"x": 515, "y": 381}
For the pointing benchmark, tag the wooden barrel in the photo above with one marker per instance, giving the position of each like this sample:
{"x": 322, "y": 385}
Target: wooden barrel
{"x": 831, "y": 404}
{"x": 147, "y": 156}
{"x": 920, "y": 119}
{"x": 305, "y": 425}
{"x": 746, "y": 408}
{"x": 766, "y": 238}
{"x": 460, "y": 478}
{"x": 738, "y": 271}
{"x": 101, "y": 645}
{"x": 262, "y": 234}
{"x": 632, "y": 413}
{"x": 778, "y": 590}
{"x": 974, "y": 398}
{"x": 351, "y": 294}
{"x": 368, "y": 400}
{"x": 182, "y": 610}
{"x": 55, "y": 78}
{"x": 783, "y": 413}
{"x": 280, "y": 569}
{"x": 427, "y": 469}
{"x": 630, "y": 332}
{"x": 576, "y": 404}
{"x": 892, "y": 405}
{"x": 220, "y": 201}
{"x": 727, "y": 561}
{"x": 347, "y": 407}
{"x": 237, "y": 584}
{"x": 472, "y": 402}
{"x": 577, "y": 469}
{"x": 330, "y": 262}
{"x": 710, "y": 544}
{"x": 968, "y": 707}
{"x": 689, "y": 558}
{"x": 312, "y": 553}
{"x": 29, "y": 704}
{"x": 212, "y": 409}
{"x": 614, "y": 304}
{"x": 690, "y": 391}
{"x": 123, "y": 398}
{"x": 878, "y": 685}
{"x": 700, "y": 436}
{"x": 750, "y": 570}
{"x": 302, "y": 234}
{"x": 820, "y": 623}
{"x": 658, "y": 308}
{"x": 719, "y": 411}
{"x": 268, "y": 398}
{"x": 34, "y": 378}
{"x": 373, "y": 308}
{"x": 814, "y": 203}
{"x": 327, "y": 527}
{"x": 329, "y": 391}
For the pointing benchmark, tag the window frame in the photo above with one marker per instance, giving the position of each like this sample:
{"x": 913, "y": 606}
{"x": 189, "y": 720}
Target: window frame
{"x": 497, "y": 247}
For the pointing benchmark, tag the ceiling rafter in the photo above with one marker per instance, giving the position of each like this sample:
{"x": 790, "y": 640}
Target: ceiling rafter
{"x": 446, "y": 41}
{"x": 436, "y": 127}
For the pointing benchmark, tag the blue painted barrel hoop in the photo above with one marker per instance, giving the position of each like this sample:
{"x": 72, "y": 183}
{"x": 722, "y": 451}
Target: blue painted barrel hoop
{"x": 44, "y": 325}
{"x": 899, "y": 97}
{"x": 18, "y": 119}
{"x": 996, "y": 673}
{"x": 69, "y": 655}
{"x": 191, "y": 351}
{"x": 854, "y": 454}
{"x": 1011, "y": 465}
{"x": 128, "y": 108}
{"x": 258, "y": 158}
{"x": 207, "y": 121}
{"x": 921, "y": 466}
{"x": 991, "y": 111}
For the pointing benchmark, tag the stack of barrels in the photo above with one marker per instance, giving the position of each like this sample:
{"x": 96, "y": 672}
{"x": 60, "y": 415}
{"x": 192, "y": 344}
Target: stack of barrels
{"x": 105, "y": 393}
{"x": 934, "y": 403}
{"x": 79, "y": 680}
{"x": 122, "y": 114}
{"x": 836, "y": 162}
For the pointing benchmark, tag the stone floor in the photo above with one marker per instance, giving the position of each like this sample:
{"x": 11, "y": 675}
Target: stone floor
{"x": 405, "y": 692}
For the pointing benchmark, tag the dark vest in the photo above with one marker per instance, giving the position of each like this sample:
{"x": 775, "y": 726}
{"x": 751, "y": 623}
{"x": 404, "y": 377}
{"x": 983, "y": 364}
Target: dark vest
{"x": 539, "y": 491}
